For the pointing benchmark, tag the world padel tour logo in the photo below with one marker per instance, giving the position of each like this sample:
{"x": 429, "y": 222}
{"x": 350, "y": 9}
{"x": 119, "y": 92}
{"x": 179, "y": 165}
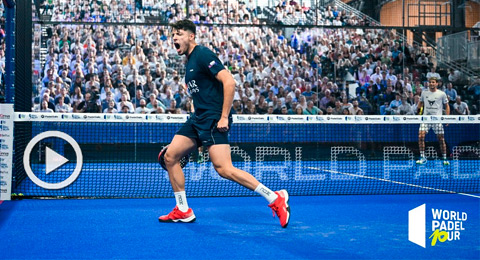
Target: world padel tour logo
{"x": 446, "y": 225}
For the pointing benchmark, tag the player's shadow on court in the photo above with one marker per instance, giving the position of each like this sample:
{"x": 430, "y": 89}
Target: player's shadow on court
{"x": 263, "y": 235}
{"x": 242, "y": 222}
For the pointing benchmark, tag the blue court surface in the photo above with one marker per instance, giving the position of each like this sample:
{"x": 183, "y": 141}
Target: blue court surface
{"x": 321, "y": 227}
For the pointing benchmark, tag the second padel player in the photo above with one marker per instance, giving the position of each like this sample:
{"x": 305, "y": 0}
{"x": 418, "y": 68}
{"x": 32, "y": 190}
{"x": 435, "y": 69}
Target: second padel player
{"x": 431, "y": 103}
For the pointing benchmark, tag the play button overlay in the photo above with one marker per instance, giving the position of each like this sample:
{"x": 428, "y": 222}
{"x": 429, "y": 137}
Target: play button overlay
{"x": 53, "y": 160}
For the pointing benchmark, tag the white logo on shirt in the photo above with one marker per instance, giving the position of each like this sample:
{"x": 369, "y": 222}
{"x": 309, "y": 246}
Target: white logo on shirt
{"x": 192, "y": 87}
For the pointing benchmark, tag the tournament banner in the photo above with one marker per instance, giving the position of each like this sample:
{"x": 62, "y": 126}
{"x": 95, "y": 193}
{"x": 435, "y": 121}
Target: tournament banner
{"x": 6, "y": 150}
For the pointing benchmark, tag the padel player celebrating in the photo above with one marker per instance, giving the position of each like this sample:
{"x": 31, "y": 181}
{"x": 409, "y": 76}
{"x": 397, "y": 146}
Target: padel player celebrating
{"x": 431, "y": 102}
{"x": 212, "y": 88}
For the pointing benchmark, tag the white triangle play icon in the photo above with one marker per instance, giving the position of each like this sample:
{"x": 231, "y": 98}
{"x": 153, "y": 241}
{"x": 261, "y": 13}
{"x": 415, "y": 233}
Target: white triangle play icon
{"x": 53, "y": 160}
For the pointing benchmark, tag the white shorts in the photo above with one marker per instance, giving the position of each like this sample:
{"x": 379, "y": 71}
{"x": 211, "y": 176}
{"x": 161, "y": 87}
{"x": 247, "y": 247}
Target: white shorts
{"x": 437, "y": 128}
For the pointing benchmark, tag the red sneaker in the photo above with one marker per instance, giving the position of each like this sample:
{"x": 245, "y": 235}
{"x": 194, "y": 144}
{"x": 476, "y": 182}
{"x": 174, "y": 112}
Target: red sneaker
{"x": 281, "y": 208}
{"x": 177, "y": 215}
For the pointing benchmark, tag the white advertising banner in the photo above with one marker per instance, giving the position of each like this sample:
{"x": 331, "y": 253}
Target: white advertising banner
{"x": 6, "y": 150}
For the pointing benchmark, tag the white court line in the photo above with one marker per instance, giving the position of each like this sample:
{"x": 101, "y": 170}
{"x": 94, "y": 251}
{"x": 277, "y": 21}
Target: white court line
{"x": 396, "y": 182}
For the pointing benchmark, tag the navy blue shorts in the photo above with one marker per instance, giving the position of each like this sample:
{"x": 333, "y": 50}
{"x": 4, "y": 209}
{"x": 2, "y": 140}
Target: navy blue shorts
{"x": 204, "y": 131}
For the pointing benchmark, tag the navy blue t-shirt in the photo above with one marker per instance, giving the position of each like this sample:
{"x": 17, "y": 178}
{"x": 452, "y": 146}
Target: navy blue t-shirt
{"x": 206, "y": 91}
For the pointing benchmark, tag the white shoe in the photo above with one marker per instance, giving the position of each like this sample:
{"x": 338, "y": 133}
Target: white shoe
{"x": 422, "y": 160}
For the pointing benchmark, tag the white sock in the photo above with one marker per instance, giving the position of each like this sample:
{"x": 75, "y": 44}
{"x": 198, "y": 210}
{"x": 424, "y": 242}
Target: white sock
{"x": 268, "y": 194}
{"x": 445, "y": 157}
{"x": 422, "y": 154}
{"x": 181, "y": 199}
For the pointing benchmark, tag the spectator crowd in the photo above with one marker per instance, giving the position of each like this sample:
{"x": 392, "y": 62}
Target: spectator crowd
{"x": 95, "y": 68}
{"x": 2, "y": 52}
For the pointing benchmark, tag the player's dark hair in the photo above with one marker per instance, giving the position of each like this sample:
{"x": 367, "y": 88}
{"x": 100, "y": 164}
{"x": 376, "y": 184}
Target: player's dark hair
{"x": 185, "y": 25}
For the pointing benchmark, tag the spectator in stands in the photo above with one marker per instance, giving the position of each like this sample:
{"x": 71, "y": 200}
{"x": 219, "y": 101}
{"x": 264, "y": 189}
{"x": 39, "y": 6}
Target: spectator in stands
{"x": 251, "y": 109}
{"x": 451, "y": 93}
{"x": 303, "y": 102}
{"x": 422, "y": 62}
{"x": 167, "y": 97}
{"x": 329, "y": 111}
{"x": 89, "y": 105}
{"x": 142, "y": 107}
{"x": 325, "y": 100}
{"x": 311, "y": 109}
{"x": 415, "y": 108}
{"x": 441, "y": 86}
{"x": 66, "y": 98}
{"x": 154, "y": 103}
{"x": 45, "y": 107}
{"x": 129, "y": 60}
{"x": 49, "y": 100}
{"x": 138, "y": 98}
{"x": 405, "y": 108}
{"x": 78, "y": 82}
{"x": 77, "y": 98}
{"x": 111, "y": 107}
{"x": 180, "y": 96}
{"x": 345, "y": 104}
{"x": 61, "y": 106}
{"x": 308, "y": 92}
{"x": 460, "y": 107}
{"x": 385, "y": 59}
{"x": 364, "y": 78}
{"x": 49, "y": 77}
{"x": 65, "y": 78}
{"x": 474, "y": 91}
{"x": 391, "y": 76}
{"x": 377, "y": 76}
{"x": 124, "y": 101}
{"x": 385, "y": 108}
{"x": 172, "y": 107}
{"x": 432, "y": 73}
{"x": 389, "y": 95}
{"x": 298, "y": 110}
{"x": 338, "y": 110}
{"x": 355, "y": 109}
{"x": 92, "y": 82}
{"x": 395, "y": 104}
{"x": 454, "y": 76}
{"x": 283, "y": 110}
{"x": 125, "y": 109}
{"x": 417, "y": 85}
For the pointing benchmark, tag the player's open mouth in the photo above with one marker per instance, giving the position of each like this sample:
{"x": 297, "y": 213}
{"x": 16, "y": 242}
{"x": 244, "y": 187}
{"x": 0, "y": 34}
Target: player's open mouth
{"x": 177, "y": 46}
